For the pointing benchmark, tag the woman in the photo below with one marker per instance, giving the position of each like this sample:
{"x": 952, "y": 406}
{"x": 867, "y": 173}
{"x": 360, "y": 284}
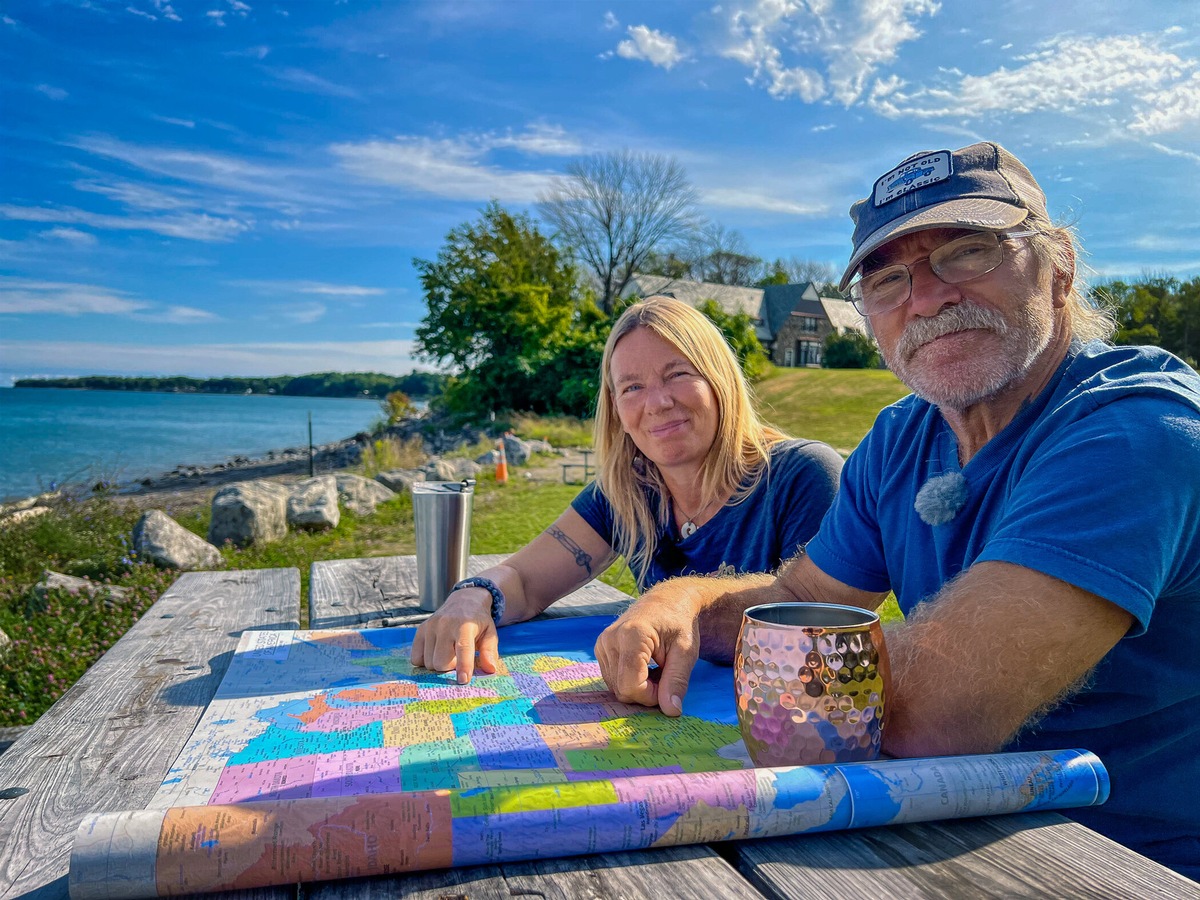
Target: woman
{"x": 689, "y": 481}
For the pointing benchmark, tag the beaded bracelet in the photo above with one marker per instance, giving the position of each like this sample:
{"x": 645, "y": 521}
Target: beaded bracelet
{"x": 492, "y": 588}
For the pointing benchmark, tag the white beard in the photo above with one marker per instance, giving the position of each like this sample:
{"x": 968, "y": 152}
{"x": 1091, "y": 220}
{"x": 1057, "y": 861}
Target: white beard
{"x": 985, "y": 376}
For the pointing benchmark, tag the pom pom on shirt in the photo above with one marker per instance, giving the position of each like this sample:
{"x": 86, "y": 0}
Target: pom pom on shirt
{"x": 940, "y": 498}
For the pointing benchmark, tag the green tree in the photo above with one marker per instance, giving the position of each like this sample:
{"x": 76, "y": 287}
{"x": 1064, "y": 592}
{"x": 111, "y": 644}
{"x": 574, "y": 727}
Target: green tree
{"x": 500, "y": 302}
{"x": 849, "y": 350}
{"x": 738, "y": 329}
{"x": 570, "y": 381}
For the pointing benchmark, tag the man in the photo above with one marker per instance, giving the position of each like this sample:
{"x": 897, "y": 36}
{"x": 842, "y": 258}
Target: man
{"x": 1034, "y": 505}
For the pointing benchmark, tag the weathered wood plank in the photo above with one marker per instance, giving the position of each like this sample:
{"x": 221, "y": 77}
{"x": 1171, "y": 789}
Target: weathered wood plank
{"x": 680, "y": 873}
{"x": 108, "y": 742}
{"x": 348, "y": 593}
{"x": 1037, "y": 855}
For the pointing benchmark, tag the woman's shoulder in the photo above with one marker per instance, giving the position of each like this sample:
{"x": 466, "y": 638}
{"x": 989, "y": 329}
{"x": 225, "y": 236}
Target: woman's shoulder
{"x": 800, "y": 453}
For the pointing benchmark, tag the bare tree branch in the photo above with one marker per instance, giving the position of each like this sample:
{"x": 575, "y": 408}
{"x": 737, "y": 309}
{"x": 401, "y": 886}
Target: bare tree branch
{"x": 612, "y": 210}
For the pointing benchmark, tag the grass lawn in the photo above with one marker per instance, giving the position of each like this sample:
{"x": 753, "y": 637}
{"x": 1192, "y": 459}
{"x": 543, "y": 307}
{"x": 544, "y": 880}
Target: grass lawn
{"x": 837, "y": 406}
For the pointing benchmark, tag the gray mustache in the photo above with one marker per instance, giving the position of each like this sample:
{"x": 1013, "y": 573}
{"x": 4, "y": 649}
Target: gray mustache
{"x": 963, "y": 317}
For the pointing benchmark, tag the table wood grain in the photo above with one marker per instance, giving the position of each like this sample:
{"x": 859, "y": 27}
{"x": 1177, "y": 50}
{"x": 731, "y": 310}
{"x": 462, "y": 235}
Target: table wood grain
{"x": 1031, "y": 855}
{"x": 346, "y": 593}
{"x": 107, "y": 744}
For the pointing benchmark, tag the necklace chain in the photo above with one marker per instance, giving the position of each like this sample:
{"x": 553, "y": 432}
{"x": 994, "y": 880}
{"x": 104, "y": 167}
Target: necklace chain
{"x": 689, "y": 526}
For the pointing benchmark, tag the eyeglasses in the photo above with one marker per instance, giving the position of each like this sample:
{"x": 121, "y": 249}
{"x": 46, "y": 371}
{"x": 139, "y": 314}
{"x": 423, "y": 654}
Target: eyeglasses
{"x": 954, "y": 262}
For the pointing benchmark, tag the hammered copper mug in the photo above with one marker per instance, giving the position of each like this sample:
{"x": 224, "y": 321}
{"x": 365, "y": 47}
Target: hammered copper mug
{"x": 810, "y": 680}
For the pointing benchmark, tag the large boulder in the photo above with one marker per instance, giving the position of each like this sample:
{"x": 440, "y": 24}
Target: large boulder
{"x": 52, "y": 580}
{"x": 361, "y": 495}
{"x": 400, "y": 480}
{"x": 451, "y": 469}
{"x": 166, "y": 543}
{"x": 313, "y": 504}
{"x": 516, "y": 451}
{"x": 252, "y": 512}
{"x": 23, "y": 515}
{"x": 440, "y": 470}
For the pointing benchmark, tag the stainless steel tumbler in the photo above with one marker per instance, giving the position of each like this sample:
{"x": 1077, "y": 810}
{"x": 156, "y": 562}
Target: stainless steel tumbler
{"x": 442, "y": 515}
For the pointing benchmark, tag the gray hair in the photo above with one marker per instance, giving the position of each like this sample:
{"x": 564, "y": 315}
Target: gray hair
{"x": 1058, "y": 246}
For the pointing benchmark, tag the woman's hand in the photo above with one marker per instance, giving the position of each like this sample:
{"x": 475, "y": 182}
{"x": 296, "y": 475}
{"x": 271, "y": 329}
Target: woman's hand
{"x": 450, "y": 637}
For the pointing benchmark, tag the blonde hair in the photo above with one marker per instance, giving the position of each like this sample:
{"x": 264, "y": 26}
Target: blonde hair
{"x": 736, "y": 461}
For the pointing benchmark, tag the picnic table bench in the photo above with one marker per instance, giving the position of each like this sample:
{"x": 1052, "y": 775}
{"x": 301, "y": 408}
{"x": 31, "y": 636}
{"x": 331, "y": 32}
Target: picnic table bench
{"x": 586, "y": 465}
{"x": 107, "y": 743}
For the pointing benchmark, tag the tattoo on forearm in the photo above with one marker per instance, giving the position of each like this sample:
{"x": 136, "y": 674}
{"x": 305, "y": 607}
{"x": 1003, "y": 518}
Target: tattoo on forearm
{"x": 582, "y": 557}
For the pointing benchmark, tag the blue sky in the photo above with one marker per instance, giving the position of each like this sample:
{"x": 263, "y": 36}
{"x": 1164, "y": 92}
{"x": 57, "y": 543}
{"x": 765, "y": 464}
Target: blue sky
{"x": 239, "y": 187}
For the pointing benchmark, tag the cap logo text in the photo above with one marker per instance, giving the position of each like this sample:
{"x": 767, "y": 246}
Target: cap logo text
{"x": 916, "y": 172}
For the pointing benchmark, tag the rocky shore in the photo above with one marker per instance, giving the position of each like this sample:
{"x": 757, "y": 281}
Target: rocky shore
{"x": 187, "y": 487}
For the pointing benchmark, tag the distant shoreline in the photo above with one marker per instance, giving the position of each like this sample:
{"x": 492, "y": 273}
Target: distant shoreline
{"x": 324, "y": 385}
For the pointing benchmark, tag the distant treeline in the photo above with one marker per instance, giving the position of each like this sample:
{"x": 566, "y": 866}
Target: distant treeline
{"x": 418, "y": 385}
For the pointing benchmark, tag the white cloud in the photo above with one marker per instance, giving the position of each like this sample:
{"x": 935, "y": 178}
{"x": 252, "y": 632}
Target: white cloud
{"x": 182, "y": 123}
{"x": 142, "y": 13}
{"x": 544, "y": 140}
{"x": 302, "y": 80}
{"x": 260, "y": 52}
{"x": 1174, "y": 243}
{"x": 70, "y": 236}
{"x": 882, "y": 27}
{"x": 192, "y": 226}
{"x": 1169, "y": 110}
{"x": 23, "y": 296}
{"x": 302, "y": 314}
{"x": 183, "y": 315}
{"x": 454, "y": 169}
{"x": 209, "y": 169}
{"x": 611, "y": 21}
{"x": 821, "y": 50}
{"x": 165, "y": 10}
{"x": 238, "y": 7}
{"x": 310, "y": 287}
{"x": 214, "y": 360}
{"x": 651, "y": 45}
{"x": 763, "y": 201}
{"x": 1171, "y": 151}
{"x": 1067, "y": 75}
{"x": 133, "y": 196}
{"x": 217, "y": 17}
{"x": 52, "y": 92}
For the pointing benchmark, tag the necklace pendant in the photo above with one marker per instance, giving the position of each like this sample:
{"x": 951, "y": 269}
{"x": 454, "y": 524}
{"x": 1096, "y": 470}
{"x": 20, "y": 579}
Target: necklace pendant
{"x": 688, "y": 528}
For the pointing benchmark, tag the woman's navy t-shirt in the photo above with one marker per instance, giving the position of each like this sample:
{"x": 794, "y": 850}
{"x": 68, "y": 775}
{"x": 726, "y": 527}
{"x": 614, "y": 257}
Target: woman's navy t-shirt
{"x": 765, "y": 529}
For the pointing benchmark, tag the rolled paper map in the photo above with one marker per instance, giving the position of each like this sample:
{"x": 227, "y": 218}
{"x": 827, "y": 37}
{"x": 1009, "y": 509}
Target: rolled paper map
{"x": 192, "y": 849}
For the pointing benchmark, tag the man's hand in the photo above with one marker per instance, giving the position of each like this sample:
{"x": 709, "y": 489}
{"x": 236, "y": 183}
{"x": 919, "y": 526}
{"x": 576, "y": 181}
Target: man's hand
{"x": 449, "y": 638}
{"x": 655, "y": 629}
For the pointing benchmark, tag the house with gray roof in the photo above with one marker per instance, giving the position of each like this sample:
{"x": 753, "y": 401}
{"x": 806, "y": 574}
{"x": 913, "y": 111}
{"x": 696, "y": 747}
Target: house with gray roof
{"x": 791, "y": 321}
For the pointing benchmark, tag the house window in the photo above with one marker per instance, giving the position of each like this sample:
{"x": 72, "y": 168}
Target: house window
{"x": 809, "y": 324}
{"x": 808, "y": 353}
{"x": 789, "y": 357}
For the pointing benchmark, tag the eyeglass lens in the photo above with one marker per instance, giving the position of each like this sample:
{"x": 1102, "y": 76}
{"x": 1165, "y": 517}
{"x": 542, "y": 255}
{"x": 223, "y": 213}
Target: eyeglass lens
{"x": 955, "y": 261}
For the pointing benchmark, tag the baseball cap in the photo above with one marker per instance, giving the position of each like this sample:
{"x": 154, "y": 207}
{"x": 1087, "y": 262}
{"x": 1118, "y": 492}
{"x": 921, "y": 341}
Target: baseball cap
{"x": 982, "y": 187}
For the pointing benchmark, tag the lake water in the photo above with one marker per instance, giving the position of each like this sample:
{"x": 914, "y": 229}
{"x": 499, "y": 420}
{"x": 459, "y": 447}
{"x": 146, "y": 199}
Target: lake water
{"x": 53, "y": 435}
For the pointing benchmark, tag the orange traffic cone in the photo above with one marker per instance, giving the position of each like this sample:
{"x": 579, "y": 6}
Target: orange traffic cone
{"x": 501, "y": 464}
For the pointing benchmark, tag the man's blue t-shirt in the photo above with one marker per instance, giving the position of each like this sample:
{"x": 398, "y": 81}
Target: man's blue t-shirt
{"x": 1096, "y": 482}
{"x": 765, "y": 529}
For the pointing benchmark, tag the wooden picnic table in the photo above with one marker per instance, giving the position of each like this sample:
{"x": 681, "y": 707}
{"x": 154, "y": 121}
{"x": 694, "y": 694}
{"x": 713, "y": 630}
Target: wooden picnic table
{"x": 108, "y": 742}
